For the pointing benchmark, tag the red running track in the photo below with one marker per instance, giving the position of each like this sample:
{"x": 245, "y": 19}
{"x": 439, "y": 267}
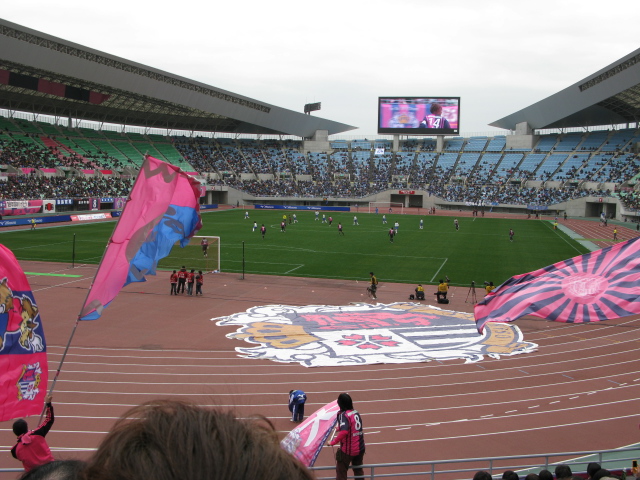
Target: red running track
{"x": 579, "y": 391}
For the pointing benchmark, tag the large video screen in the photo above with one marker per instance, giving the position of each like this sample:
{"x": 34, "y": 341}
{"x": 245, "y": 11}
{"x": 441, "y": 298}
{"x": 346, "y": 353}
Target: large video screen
{"x": 419, "y": 115}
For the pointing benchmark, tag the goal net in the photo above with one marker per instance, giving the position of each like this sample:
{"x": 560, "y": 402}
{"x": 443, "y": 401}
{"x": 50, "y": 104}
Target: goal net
{"x": 194, "y": 255}
{"x": 386, "y": 207}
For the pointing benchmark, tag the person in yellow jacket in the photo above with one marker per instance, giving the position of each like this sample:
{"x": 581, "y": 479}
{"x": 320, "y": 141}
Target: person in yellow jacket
{"x": 443, "y": 288}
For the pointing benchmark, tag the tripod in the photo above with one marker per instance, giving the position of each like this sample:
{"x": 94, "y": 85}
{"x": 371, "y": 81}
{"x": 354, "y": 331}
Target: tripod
{"x": 472, "y": 293}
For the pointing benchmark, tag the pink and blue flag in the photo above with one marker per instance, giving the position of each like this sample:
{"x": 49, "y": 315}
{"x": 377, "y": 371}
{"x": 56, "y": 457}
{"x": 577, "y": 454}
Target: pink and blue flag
{"x": 306, "y": 440}
{"x": 162, "y": 209}
{"x": 23, "y": 351}
{"x": 600, "y": 285}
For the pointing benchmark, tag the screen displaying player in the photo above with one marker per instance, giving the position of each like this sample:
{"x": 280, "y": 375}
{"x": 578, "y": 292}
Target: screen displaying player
{"x": 419, "y": 115}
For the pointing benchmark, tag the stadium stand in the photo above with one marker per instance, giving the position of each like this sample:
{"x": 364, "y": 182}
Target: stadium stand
{"x": 468, "y": 170}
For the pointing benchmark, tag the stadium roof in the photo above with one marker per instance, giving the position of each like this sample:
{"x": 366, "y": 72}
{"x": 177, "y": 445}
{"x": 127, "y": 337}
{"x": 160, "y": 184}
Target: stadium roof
{"x": 43, "y": 74}
{"x": 610, "y": 96}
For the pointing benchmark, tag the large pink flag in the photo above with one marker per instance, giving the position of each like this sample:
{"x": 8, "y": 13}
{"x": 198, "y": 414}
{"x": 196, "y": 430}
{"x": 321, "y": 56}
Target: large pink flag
{"x": 23, "y": 358}
{"x": 600, "y": 285}
{"x": 162, "y": 209}
{"x": 306, "y": 440}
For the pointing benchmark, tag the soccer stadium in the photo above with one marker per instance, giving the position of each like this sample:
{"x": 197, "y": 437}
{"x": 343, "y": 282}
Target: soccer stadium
{"x": 296, "y": 222}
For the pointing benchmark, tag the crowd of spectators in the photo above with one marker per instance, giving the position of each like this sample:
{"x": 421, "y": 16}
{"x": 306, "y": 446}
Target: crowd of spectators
{"x": 19, "y": 187}
{"x": 561, "y": 472}
{"x": 25, "y": 152}
{"x": 343, "y": 173}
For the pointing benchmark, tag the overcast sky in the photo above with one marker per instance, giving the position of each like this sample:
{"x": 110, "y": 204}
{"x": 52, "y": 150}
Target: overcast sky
{"x": 499, "y": 56}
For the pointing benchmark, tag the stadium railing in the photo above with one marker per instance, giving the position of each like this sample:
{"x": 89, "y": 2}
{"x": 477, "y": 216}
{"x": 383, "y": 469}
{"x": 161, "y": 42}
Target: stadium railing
{"x": 464, "y": 469}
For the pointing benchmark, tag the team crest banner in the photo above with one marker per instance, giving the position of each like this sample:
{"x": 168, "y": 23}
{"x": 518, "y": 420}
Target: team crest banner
{"x": 23, "y": 358}
{"x": 364, "y": 334}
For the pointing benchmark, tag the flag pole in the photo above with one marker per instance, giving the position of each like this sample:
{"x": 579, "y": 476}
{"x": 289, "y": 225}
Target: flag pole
{"x": 75, "y": 327}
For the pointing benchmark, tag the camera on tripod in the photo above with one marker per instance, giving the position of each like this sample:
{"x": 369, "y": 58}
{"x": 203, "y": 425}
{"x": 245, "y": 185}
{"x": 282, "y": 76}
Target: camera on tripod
{"x": 471, "y": 294}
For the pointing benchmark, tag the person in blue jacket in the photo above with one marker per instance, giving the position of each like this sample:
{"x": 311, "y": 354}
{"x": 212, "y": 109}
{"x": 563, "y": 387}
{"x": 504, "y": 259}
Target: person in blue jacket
{"x": 296, "y": 404}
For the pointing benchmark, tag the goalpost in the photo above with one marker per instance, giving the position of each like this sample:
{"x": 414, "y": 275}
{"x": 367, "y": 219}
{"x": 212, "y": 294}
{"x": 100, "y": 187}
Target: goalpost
{"x": 386, "y": 207}
{"x": 194, "y": 255}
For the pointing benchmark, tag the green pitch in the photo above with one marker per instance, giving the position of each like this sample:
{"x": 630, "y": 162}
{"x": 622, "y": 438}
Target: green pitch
{"x": 479, "y": 251}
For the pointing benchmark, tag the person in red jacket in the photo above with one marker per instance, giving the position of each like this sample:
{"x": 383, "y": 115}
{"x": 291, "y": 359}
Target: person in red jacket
{"x": 351, "y": 439}
{"x": 31, "y": 447}
{"x": 191, "y": 278}
{"x": 173, "y": 279}
{"x": 182, "y": 279}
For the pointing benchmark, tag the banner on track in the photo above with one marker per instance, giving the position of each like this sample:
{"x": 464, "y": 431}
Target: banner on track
{"x": 364, "y": 334}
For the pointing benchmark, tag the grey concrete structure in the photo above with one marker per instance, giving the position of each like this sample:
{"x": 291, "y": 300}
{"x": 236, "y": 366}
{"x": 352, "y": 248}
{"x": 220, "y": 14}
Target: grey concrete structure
{"x": 130, "y": 93}
{"x": 610, "y": 96}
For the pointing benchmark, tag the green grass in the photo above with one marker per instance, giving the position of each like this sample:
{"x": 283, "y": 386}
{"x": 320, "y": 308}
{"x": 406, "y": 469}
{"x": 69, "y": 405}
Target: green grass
{"x": 480, "y": 251}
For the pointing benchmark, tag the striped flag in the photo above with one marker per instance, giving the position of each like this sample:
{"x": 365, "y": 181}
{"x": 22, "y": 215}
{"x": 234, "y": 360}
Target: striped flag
{"x": 306, "y": 440}
{"x": 162, "y": 209}
{"x": 23, "y": 351}
{"x": 600, "y": 285}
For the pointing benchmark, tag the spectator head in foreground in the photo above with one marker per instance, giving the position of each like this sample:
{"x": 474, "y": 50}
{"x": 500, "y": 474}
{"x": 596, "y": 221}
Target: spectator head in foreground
{"x": 56, "y": 470}
{"x": 592, "y": 468}
{"x": 510, "y": 475}
{"x": 482, "y": 475}
{"x": 545, "y": 475}
{"x": 563, "y": 471}
{"x": 170, "y": 440}
{"x": 602, "y": 473}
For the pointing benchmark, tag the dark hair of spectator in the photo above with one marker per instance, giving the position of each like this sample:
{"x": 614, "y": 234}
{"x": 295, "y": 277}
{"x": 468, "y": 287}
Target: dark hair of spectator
{"x": 510, "y": 475}
{"x": 171, "y": 440}
{"x": 482, "y": 475}
{"x": 532, "y": 476}
{"x": 56, "y": 470}
{"x": 545, "y": 475}
{"x": 345, "y": 402}
{"x": 20, "y": 427}
{"x": 601, "y": 474}
{"x": 592, "y": 468}
{"x": 563, "y": 471}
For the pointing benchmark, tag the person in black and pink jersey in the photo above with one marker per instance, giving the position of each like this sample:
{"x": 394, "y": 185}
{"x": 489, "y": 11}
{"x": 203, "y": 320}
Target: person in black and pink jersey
{"x": 435, "y": 119}
{"x": 205, "y": 247}
{"x": 340, "y": 232}
{"x": 182, "y": 279}
{"x": 392, "y": 233}
{"x": 199, "y": 282}
{"x": 31, "y": 447}
{"x": 263, "y": 231}
{"x": 173, "y": 279}
{"x": 191, "y": 278}
{"x": 351, "y": 439}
